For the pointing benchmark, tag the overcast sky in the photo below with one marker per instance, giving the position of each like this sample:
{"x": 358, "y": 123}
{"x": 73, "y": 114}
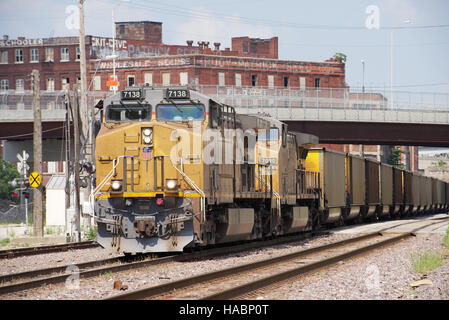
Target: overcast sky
{"x": 307, "y": 30}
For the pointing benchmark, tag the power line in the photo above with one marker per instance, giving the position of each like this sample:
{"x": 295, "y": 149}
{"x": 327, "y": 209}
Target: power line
{"x": 185, "y": 12}
{"x": 28, "y": 134}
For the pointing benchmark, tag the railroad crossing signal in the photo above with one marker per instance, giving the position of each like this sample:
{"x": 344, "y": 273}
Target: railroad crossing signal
{"x": 23, "y": 166}
{"x": 35, "y": 179}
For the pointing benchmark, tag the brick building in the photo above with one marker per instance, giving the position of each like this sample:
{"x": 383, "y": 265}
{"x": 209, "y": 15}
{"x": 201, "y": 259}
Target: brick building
{"x": 143, "y": 58}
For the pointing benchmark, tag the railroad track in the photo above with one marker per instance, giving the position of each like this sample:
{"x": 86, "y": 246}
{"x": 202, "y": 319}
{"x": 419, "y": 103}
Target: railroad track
{"x": 240, "y": 280}
{"x": 13, "y": 253}
{"x": 13, "y": 282}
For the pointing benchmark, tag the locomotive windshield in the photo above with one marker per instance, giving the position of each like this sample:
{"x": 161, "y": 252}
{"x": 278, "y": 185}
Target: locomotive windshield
{"x": 179, "y": 112}
{"x": 128, "y": 112}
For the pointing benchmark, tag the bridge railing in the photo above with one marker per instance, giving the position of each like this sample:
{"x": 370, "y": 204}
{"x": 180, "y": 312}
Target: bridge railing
{"x": 49, "y": 100}
{"x": 326, "y": 98}
{"x": 260, "y": 99}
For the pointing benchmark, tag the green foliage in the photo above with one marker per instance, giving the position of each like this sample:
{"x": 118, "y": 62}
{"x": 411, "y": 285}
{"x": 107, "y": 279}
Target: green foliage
{"x": 423, "y": 263}
{"x": 395, "y": 158}
{"x": 440, "y": 166}
{"x": 5, "y": 241}
{"x": 446, "y": 239}
{"x": 8, "y": 172}
{"x": 91, "y": 234}
{"x": 340, "y": 56}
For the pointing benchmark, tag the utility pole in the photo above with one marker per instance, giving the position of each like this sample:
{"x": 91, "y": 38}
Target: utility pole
{"x": 38, "y": 214}
{"x": 82, "y": 40}
{"x": 67, "y": 156}
{"x": 88, "y": 116}
{"x": 76, "y": 164}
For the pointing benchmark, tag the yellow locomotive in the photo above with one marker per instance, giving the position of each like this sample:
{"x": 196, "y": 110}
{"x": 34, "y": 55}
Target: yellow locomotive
{"x": 176, "y": 168}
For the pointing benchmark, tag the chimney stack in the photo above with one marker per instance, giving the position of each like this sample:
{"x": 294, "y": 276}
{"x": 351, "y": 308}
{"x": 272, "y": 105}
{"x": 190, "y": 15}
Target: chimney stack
{"x": 189, "y": 42}
{"x": 21, "y": 38}
{"x": 5, "y": 37}
{"x": 217, "y": 46}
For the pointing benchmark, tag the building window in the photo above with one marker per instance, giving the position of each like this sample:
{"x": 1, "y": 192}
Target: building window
{"x": 49, "y": 55}
{"x": 20, "y": 85}
{"x": 302, "y": 83}
{"x": 131, "y": 81}
{"x": 245, "y": 46}
{"x": 34, "y": 55}
{"x": 238, "y": 80}
{"x": 285, "y": 82}
{"x": 148, "y": 79}
{"x": 4, "y": 57}
{"x": 270, "y": 81}
{"x": 51, "y": 167}
{"x": 166, "y": 78}
{"x": 50, "y": 84}
{"x": 317, "y": 82}
{"x": 122, "y": 29}
{"x": 65, "y": 83}
{"x": 65, "y": 54}
{"x": 221, "y": 79}
{"x": 4, "y": 84}
{"x": 78, "y": 53}
{"x": 19, "y": 55}
{"x": 97, "y": 82}
{"x": 254, "y": 80}
{"x": 183, "y": 78}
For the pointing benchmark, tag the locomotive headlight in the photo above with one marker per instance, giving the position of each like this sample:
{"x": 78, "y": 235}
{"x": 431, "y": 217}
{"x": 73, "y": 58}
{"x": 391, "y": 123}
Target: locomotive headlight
{"x": 147, "y": 135}
{"x": 171, "y": 184}
{"x": 116, "y": 185}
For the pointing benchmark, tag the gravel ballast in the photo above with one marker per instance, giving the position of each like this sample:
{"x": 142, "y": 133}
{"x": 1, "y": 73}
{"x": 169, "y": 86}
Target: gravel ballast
{"x": 383, "y": 274}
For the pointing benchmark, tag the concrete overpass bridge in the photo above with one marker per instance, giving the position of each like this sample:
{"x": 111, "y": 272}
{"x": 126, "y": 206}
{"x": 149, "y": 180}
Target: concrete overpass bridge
{"x": 335, "y": 115}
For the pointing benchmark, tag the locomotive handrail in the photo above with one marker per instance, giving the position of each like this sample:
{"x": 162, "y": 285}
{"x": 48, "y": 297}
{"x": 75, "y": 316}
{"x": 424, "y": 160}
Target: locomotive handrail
{"x": 277, "y": 196}
{"x": 115, "y": 162}
{"x": 197, "y": 189}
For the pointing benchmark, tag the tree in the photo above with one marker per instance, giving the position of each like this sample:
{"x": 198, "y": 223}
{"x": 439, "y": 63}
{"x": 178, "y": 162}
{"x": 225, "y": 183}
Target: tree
{"x": 340, "y": 56}
{"x": 8, "y": 172}
{"x": 395, "y": 158}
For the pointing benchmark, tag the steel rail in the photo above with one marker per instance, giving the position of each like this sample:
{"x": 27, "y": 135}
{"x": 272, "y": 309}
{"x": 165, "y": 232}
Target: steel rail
{"x": 133, "y": 265}
{"x": 168, "y": 287}
{"x": 264, "y": 282}
{"x": 12, "y": 253}
{"x": 255, "y": 285}
{"x": 51, "y": 270}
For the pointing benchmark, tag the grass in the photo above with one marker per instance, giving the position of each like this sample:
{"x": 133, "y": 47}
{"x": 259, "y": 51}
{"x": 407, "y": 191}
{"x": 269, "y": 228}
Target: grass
{"x": 108, "y": 274}
{"x": 5, "y": 241}
{"x": 91, "y": 234}
{"x": 446, "y": 239}
{"x": 427, "y": 261}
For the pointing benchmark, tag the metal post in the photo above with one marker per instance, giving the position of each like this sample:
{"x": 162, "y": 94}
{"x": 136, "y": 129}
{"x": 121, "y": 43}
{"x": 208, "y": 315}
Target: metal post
{"x": 76, "y": 164}
{"x": 38, "y": 214}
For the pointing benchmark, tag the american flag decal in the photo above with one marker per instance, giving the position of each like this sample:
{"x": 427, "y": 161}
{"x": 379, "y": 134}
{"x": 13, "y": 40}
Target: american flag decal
{"x": 147, "y": 153}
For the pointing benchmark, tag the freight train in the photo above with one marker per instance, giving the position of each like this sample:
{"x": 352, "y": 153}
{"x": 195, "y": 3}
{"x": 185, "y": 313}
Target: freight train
{"x": 177, "y": 169}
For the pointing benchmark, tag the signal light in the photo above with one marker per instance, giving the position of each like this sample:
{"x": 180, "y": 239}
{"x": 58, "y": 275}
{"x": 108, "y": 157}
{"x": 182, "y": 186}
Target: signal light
{"x": 14, "y": 195}
{"x": 159, "y": 201}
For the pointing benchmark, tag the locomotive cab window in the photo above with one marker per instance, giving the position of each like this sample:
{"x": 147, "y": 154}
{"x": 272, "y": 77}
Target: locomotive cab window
{"x": 128, "y": 112}
{"x": 272, "y": 135}
{"x": 180, "y": 112}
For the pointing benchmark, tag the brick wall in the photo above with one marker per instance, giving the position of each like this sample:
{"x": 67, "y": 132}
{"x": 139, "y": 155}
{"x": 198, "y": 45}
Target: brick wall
{"x": 148, "y": 31}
